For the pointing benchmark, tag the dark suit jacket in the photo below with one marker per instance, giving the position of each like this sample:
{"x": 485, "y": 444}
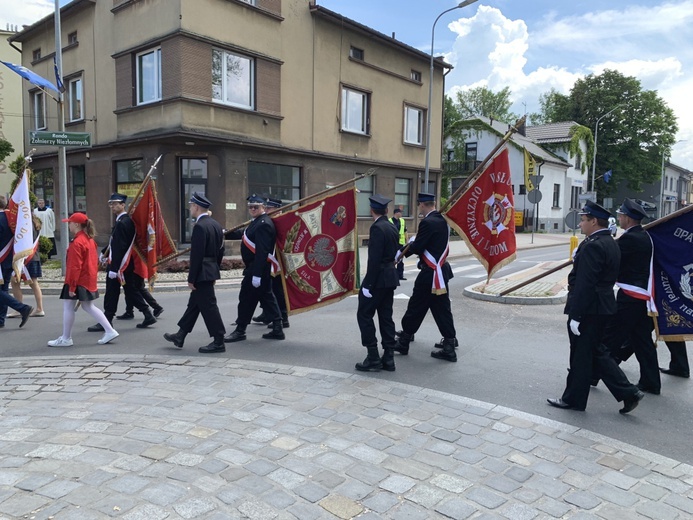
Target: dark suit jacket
{"x": 381, "y": 272}
{"x": 636, "y": 252}
{"x": 122, "y": 235}
{"x": 5, "y": 236}
{"x": 591, "y": 281}
{"x": 206, "y": 250}
{"x": 262, "y": 233}
{"x": 433, "y": 236}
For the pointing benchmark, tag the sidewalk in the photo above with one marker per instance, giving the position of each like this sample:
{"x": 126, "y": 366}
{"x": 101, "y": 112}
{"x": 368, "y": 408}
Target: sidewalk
{"x": 158, "y": 437}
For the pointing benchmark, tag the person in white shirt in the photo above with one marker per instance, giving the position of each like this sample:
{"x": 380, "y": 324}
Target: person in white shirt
{"x": 47, "y": 218}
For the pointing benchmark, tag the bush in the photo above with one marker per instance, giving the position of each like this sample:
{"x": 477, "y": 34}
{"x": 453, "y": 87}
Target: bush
{"x": 180, "y": 266}
{"x": 45, "y": 246}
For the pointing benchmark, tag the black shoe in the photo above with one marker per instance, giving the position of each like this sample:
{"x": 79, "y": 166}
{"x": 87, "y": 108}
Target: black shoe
{"x": 654, "y": 391}
{"x": 676, "y": 373}
{"x": 369, "y": 365}
{"x": 126, "y": 316}
{"x": 235, "y": 336}
{"x": 388, "y": 360}
{"x": 25, "y": 315}
{"x": 157, "y": 312}
{"x": 440, "y": 345}
{"x": 212, "y": 348}
{"x": 148, "y": 320}
{"x": 560, "y": 403}
{"x": 261, "y": 318}
{"x": 448, "y": 351}
{"x": 176, "y": 339}
{"x": 401, "y": 348}
{"x": 277, "y": 331}
{"x": 285, "y": 324}
{"x": 96, "y": 328}
{"x": 631, "y": 403}
{"x": 399, "y": 333}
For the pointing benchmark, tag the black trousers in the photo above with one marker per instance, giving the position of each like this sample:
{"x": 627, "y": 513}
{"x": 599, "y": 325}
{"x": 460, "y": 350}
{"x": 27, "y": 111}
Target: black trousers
{"x": 400, "y": 270}
{"x": 381, "y": 302}
{"x": 151, "y": 301}
{"x": 422, "y": 299}
{"x": 679, "y": 357}
{"x": 250, "y": 296}
{"x": 587, "y": 350}
{"x": 203, "y": 301}
{"x": 630, "y": 332}
{"x": 132, "y": 289}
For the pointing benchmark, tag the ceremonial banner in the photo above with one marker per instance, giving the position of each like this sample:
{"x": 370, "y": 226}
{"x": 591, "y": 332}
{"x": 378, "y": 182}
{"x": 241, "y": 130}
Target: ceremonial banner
{"x": 530, "y": 169}
{"x": 484, "y": 216}
{"x": 317, "y": 249}
{"x": 19, "y": 218}
{"x": 153, "y": 243}
{"x": 673, "y": 275}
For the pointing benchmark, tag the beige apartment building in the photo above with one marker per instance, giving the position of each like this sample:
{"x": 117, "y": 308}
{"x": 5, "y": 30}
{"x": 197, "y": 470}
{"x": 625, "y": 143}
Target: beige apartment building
{"x": 11, "y": 120}
{"x": 280, "y": 97}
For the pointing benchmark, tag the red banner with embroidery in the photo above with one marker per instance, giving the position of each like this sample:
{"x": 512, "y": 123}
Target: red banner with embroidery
{"x": 317, "y": 250}
{"x": 484, "y": 216}
{"x": 153, "y": 243}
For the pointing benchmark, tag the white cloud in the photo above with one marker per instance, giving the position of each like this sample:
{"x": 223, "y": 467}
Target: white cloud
{"x": 25, "y": 12}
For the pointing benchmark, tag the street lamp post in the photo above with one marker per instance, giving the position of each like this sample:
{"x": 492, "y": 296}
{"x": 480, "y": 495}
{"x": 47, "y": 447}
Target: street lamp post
{"x": 596, "y": 133}
{"x": 430, "y": 90}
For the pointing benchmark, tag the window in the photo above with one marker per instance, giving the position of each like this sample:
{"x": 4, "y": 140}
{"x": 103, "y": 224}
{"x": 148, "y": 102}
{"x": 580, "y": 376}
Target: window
{"x": 416, "y": 75}
{"x": 578, "y": 162}
{"x": 431, "y": 188}
{"x": 72, "y": 38}
{"x": 75, "y": 99}
{"x": 523, "y": 190}
{"x": 129, "y": 176}
{"x": 39, "y": 110}
{"x": 413, "y": 125}
{"x": 365, "y": 189}
{"x": 556, "y": 195}
{"x": 233, "y": 79}
{"x": 36, "y": 54}
{"x": 149, "y": 76}
{"x": 354, "y": 111}
{"x": 356, "y": 53}
{"x": 43, "y": 185}
{"x": 79, "y": 189}
{"x": 575, "y": 197}
{"x": 470, "y": 151}
{"x": 193, "y": 178}
{"x": 403, "y": 196}
{"x": 277, "y": 180}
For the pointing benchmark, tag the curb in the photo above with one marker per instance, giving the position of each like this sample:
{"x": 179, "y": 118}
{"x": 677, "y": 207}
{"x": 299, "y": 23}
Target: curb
{"x": 524, "y": 300}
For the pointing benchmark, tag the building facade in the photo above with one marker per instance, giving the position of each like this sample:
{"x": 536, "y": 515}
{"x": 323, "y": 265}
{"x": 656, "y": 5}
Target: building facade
{"x": 279, "y": 97}
{"x": 11, "y": 116}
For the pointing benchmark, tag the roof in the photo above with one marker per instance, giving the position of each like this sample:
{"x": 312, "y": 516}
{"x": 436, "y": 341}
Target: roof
{"x": 552, "y": 132}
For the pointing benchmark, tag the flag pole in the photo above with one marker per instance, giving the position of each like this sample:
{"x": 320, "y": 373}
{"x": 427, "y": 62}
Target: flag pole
{"x": 282, "y": 209}
{"x": 459, "y": 191}
{"x": 143, "y": 185}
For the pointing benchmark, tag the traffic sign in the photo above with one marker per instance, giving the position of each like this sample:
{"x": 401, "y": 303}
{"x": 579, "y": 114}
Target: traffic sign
{"x": 534, "y": 196}
{"x": 82, "y": 139}
{"x": 536, "y": 179}
{"x": 572, "y": 219}
{"x": 588, "y": 195}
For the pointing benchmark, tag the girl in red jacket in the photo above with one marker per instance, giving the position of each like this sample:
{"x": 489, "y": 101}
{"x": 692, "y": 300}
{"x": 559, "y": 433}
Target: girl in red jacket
{"x": 80, "y": 281}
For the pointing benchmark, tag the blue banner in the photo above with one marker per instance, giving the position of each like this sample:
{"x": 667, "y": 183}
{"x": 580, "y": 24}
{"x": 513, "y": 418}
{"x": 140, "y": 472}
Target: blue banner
{"x": 31, "y": 76}
{"x": 673, "y": 275}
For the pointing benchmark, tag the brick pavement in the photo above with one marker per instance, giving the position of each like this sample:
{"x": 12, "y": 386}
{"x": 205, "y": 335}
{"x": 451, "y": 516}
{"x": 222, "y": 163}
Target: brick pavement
{"x": 152, "y": 437}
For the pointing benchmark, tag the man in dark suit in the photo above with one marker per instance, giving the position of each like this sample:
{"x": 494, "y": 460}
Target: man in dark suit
{"x": 121, "y": 267}
{"x": 590, "y": 305}
{"x": 378, "y": 290}
{"x": 631, "y": 329}
{"x": 6, "y": 255}
{"x": 206, "y": 254}
{"x": 258, "y": 243}
{"x": 431, "y": 284}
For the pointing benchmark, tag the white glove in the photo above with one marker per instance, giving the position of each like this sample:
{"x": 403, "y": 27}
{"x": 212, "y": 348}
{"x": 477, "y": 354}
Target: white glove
{"x": 575, "y": 327}
{"x": 398, "y": 256}
{"x": 112, "y": 274}
{"x": 256, "y": 281}
{"x": 411, "y": 239}
{"x": 366, "y": 292}
{"x": 102, "y": 258}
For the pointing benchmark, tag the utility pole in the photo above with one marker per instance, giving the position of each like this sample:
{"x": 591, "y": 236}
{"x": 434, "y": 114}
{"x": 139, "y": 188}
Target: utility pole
{"x": 62, "y": 152}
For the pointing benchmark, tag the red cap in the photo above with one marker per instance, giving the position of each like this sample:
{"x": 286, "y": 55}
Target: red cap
{"x": 80, "y": 218}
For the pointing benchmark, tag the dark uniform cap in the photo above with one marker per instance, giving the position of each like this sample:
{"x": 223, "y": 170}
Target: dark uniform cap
{"x": 632, "y": 209}
{"x": 595, "y": 210}
{"x": 425, "y": 197}
{"x": 118, "y": 197}
{"x": 379, "y": 202}
{"x": 397, "y": 210}
{"x": 273, "y": 203}
{"x": 200, "y": 200}
{"x": 256, "y": 199}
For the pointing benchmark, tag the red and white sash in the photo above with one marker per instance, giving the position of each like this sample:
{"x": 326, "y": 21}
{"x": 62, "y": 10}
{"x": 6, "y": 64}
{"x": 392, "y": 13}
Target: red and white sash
{"x": 437, "y": 266}
{"x": 270, "y": 257}
{"x": 643, "y": 294}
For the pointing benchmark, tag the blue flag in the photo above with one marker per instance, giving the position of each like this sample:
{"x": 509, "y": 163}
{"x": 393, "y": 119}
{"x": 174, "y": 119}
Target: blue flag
{"x": 31, "y": 76}
{"x": 607, "y": 177}
{"x": 58, "y": 81}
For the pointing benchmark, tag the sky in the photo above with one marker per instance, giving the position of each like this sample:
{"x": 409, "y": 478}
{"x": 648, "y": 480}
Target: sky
{"x": 529, "y": 46}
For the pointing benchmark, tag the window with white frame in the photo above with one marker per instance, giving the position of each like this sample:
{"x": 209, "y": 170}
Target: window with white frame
{"x": 354, "y": 111}
{"x": 39, "y": 110}
{"x": 364, "y": 187}
{"x": 149, "y": 76}
{"x": 556, "y": 195}
{"x": 74, "y": 88}
{"x": 413, "y": 125}
{"x": 233, "y": 80}
{"x": 403, "y": 196}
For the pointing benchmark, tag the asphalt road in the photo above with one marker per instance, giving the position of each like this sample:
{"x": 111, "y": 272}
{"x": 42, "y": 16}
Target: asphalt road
{"x": 511, "y": 355}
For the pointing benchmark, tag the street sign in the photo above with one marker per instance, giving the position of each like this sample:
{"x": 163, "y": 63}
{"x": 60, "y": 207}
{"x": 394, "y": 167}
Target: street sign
{"x": 60, "y": 139}
{"x": 608, "y": 203}
{"x": 572, "y": 219}
{"x": 536, "y": 179}
{"x": 588, "y": 195}
{"x": 534, "y": 196}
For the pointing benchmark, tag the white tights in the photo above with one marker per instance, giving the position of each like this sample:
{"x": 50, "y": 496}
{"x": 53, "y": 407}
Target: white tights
{"x": 89, "y": 308}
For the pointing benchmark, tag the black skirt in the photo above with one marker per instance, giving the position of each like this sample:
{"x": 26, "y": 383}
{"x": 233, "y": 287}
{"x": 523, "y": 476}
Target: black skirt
{"x": 82, "y": 294}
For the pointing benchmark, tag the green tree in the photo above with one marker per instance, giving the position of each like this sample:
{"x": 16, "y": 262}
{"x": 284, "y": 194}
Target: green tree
{"x": 482, "y": 101}
{"x": 5, "y": 149}
{"x": 632, "y": 139}
{"x": 554, "y": 107}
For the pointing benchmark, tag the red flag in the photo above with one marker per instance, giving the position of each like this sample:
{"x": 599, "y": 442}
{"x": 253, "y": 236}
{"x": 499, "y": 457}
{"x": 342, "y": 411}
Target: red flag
{"x": 317, "y": 246}
{"x": 485, "y": 216}
{"x": 153, "y": 242}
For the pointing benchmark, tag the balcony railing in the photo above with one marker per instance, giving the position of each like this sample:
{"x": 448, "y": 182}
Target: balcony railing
{"x": 460, "y": 168}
